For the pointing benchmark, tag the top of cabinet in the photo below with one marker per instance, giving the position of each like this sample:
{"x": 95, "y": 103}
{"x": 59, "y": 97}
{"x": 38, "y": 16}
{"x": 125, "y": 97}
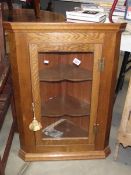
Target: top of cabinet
{"x": 28, "y": 16}
{"x": 24, "y": 19}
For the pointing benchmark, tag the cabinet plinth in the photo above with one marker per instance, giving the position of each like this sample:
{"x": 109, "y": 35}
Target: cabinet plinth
{"x": 64, "y": 80}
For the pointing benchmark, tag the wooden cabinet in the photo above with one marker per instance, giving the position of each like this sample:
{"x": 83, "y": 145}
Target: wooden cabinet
{"x": 64, "y": 77}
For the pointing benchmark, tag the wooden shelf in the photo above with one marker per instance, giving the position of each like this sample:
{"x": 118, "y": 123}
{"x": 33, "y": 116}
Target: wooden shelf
{"x": 69, "y": 129}
{"x": 65, "y": 72}
{"x": 61, "y": 106}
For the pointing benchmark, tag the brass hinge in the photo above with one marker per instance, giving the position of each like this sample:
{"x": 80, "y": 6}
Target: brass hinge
{"x": 96, "y": 128}
{"x": 101, "y": 64}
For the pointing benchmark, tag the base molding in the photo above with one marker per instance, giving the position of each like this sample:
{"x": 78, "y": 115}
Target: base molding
{"x": 65, "y": 156}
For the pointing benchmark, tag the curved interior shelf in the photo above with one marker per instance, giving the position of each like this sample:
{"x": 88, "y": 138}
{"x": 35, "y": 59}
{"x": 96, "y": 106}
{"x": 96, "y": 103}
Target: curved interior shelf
{"x": 61, "y": 106}
{"x": 65, "y": 72}
{"x": 66, "y": 128}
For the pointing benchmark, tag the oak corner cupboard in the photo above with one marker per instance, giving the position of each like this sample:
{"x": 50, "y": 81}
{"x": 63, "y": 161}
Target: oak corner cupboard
{"x": 64, "y": 77}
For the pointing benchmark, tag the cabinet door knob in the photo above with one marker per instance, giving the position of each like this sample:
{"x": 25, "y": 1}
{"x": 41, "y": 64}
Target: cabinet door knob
{"x": 35, "y": 125}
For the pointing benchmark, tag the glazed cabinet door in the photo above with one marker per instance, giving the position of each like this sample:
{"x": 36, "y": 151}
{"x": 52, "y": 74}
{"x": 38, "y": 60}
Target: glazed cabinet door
{"x": 65, "y": 79}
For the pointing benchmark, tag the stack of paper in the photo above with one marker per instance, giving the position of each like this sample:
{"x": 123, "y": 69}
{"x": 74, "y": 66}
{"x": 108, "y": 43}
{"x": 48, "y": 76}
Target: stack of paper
{"x": 91, "y": 7}
{"x": 119, "y": 11}
{"x": 85, "y": 16}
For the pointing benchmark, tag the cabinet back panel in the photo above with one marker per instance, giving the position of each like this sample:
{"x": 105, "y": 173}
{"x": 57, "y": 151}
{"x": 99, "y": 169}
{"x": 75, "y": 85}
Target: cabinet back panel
{"x": 79, "y": 90}
{"x": 66, "y": 58}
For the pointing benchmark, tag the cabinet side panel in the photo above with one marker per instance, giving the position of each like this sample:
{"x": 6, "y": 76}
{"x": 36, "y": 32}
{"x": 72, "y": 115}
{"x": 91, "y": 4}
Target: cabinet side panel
{"x": 107, "y": 89}
{"x": 22, "y": 88}
{"x": 113, "y": 85}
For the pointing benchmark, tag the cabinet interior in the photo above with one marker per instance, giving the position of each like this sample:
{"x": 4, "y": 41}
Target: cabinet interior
{"x": 65, "y": 92}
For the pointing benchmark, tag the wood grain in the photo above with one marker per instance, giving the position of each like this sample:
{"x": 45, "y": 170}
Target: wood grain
{"x": 59, "y": 42}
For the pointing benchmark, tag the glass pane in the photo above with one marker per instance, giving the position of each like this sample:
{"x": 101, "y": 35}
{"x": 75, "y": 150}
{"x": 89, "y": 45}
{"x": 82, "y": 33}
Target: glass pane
{"x": 65, "y": 90}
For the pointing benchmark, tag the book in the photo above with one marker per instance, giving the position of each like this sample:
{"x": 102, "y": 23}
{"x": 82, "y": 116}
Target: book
{"x": 77, "y": 21}
{"x": 91, "y": 7}
{"x": 86, "y": 15}
{"x": 119, "y": 11}
{"x": 81, "y": 21}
